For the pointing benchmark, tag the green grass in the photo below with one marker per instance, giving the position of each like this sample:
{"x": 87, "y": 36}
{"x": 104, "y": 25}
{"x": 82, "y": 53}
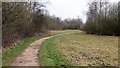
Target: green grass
{"x": 50, "y": 56}
{"x": 9, "y": 54}
{"x": 80, "y": 49}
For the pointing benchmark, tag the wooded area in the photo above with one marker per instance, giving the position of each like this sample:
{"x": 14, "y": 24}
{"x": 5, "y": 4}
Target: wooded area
{"x": 102, "y": 19}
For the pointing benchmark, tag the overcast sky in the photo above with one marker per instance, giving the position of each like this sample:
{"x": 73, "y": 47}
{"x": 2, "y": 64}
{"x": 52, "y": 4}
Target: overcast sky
{"x": 69, "y": 8}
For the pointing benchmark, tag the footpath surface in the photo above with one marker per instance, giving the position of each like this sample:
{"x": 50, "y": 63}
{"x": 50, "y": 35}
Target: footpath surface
{"x": 30, "y": 56}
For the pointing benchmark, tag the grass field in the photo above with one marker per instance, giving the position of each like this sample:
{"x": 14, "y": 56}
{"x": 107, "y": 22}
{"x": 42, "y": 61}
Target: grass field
{"x": 74, "y": 48}
{"x": 80, "y": 49}
{"x": 63, "y": 32}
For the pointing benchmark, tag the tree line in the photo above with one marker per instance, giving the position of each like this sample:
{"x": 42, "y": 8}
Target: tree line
{"x": 27, "y": 19}
{"x": 102, "y": 18}
{"x": 57, "y": 24}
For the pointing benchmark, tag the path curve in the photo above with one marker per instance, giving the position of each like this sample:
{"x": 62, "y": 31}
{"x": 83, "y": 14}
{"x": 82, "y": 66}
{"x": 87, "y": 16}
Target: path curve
{"x": 30, "y": 56}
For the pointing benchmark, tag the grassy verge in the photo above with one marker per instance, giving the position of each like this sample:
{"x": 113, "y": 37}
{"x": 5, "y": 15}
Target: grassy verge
{"x": 50, "y": 56}
{"x": 9, "y": 54}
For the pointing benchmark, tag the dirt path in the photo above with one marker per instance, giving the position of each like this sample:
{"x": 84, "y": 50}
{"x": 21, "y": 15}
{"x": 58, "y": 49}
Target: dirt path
{"x": 30, "y": 56}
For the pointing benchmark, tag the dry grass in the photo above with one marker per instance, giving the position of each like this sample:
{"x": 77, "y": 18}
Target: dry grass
{"x": 83, "y": 49}
{"x": 62, "y": 31}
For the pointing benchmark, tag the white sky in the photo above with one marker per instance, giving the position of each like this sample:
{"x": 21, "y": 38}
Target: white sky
{"x": 70, "y": 8}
